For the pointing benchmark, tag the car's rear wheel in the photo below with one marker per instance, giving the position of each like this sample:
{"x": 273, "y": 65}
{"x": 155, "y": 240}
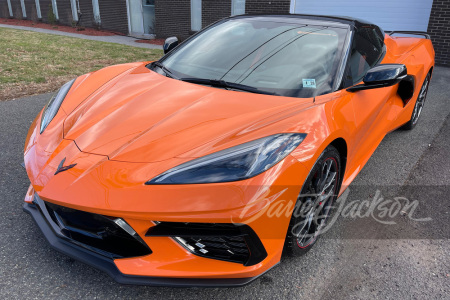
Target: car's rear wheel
{"x": 419, "y": 104}
{"x": 314, "y": 204}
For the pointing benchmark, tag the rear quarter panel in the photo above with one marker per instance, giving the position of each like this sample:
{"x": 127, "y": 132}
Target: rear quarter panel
{"x": 419, "y": 60}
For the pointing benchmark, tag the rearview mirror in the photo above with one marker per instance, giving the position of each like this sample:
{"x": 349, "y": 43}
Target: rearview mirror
{"x": 381, "y": 76}
{"x": 170, "y": 43}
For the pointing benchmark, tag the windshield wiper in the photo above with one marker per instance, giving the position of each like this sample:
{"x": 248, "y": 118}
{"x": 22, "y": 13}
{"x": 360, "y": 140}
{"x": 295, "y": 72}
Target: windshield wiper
{"x": 163, "y": 67}
{"x": 226, "y": 85}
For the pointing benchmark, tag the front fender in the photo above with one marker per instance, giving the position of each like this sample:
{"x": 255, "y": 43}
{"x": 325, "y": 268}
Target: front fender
{"x": 332, "y": 118}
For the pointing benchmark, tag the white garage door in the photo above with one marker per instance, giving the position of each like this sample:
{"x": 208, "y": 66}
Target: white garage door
{"x": 388, "y": 14}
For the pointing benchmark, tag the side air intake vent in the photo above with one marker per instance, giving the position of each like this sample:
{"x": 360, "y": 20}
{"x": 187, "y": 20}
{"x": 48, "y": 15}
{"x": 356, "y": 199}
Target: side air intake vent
{"x": 230, "y": 242}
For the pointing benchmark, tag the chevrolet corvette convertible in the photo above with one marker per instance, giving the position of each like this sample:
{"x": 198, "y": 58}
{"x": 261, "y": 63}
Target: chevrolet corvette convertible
{"x": 203, "y": 168}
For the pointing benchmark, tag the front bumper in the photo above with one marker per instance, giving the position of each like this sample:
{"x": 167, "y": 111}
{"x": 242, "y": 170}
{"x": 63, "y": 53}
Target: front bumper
{"x": 111, "y": 188}
{"x": 108, "y": 266}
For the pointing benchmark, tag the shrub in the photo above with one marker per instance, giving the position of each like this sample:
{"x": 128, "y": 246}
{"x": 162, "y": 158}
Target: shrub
{"x": 51, "y": 16}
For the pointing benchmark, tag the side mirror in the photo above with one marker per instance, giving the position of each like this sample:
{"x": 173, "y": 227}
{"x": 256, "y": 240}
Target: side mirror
{"x": 381, "y": 76}
{"x": 170, "y": 43}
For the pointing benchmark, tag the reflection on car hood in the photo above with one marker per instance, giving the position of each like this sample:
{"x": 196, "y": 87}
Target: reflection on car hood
{"x": 143, "y": 116}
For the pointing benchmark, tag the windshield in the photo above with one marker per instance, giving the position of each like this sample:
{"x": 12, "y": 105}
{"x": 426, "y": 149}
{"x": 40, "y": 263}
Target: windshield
{"x": 295, "y": 60}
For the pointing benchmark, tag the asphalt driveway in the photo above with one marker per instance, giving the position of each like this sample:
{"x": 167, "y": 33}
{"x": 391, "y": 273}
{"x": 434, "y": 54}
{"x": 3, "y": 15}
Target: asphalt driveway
{"x": 356, "y": 259}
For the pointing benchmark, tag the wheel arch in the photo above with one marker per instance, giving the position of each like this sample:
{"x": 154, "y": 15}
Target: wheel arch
{"x": 340, "y": 145}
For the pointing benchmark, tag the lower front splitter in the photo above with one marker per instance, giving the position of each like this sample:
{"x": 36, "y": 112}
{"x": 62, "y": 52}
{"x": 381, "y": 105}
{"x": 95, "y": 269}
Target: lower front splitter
{"x": 107, "y": 265}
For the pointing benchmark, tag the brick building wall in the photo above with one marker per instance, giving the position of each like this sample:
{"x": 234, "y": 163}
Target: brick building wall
{"x": 64, "y": 12}
{"x": 4, "y": 12}
{"x": 113, "y": 15}
{"x": 439, "y": 29}
{"x": 16, "y": 9}
{"x": 87, "y": 14}
{"x": 173, "y": 18}
{"x": 213, "y": 10}
{"x": 267, "y": 7}
{"x": 46, "y": 9}
{"x": 30, "y": 7}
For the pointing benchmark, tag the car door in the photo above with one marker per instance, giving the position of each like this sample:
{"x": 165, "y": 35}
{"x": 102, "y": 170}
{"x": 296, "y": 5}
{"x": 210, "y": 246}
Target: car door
{"x": 370, "y": 106}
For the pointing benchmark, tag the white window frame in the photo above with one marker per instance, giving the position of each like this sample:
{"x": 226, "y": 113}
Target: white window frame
{"x": 38, "y": 9}
{"x": 55, "y": 9}
{"x": 292, "y": 8}
{"x": 24, "y": 11}
{"x": 96, "y": 12}
{"x": 10, "y": 8}
{"x": 128, "y": 16}
{"x": 74, "y": 6}
{"x": 196, "y": 20}
{"x": 233, "y": 7}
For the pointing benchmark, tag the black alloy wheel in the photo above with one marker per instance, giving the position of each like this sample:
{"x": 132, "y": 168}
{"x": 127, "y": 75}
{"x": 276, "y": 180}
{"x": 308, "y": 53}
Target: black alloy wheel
{"x": 315, "y": 203}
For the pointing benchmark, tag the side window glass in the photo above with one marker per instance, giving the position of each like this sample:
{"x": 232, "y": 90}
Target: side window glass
{"x": 367, "y": 49}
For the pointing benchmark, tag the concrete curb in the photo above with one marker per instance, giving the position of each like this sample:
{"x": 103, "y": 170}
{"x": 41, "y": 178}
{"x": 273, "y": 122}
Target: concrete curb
{"x": 117, "y": 39}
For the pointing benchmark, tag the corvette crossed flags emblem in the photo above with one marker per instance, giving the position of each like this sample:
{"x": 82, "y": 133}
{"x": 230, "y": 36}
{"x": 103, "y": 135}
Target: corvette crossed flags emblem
{"x": 61, "y": 167}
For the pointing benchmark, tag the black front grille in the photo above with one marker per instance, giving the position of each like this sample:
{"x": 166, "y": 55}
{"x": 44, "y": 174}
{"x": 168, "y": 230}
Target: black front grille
{"x": 109, "y": 236}
{"x": 224, "y": 241}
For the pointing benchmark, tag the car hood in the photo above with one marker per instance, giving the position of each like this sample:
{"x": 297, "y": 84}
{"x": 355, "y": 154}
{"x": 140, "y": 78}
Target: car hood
{"x": 142, "y": 116}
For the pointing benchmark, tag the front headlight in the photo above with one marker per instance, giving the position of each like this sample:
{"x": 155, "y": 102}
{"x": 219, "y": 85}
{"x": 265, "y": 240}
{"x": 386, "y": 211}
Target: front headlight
{"x": 54, "y": 104}
{"x": 236, "y": 163}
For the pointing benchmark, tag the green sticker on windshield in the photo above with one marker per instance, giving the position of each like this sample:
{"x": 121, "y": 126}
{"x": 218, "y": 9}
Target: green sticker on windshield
{"x": 309, "y": 83}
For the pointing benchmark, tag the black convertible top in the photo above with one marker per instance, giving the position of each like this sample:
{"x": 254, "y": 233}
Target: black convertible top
{"x": 355, "y": 23}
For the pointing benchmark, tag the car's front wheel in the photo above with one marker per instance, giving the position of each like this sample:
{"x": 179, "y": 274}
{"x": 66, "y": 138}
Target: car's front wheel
{"x": 315, "y": 202}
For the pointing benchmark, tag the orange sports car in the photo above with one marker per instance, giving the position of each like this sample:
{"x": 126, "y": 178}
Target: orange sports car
{"x": 204, "y": 167}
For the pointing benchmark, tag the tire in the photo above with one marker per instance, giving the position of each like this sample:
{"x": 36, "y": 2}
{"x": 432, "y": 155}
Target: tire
{"x": 418, "y": 106}
{"x": 312, "y": 212}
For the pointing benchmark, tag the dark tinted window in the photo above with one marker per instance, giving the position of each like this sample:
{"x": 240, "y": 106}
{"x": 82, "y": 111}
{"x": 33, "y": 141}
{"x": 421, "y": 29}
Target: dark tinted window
{"x": 366, "y": 52}
{"x": 288, "y": 59}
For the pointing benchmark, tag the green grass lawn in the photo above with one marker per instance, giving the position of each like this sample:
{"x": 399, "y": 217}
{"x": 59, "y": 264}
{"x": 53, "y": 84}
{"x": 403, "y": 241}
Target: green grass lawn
{"x": 32, "y": 63}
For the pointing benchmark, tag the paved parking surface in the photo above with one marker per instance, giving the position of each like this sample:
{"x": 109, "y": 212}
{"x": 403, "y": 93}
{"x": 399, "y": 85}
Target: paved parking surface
{"x": 410, "y": 260}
